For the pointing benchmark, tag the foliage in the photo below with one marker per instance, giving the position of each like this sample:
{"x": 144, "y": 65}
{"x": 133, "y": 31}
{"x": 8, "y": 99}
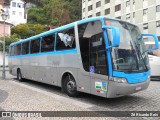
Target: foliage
{"x": 9, "y": 40}
{"x": 28, "y": 30}
{"x": 55, "y": 12}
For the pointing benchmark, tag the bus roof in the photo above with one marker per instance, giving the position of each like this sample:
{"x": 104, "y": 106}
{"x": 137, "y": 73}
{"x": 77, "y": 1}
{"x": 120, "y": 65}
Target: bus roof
{"x": 64, "y": 27}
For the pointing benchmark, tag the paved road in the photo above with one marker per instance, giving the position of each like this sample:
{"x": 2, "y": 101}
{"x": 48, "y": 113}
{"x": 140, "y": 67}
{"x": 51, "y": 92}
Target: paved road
{"x": 33, "y": 96}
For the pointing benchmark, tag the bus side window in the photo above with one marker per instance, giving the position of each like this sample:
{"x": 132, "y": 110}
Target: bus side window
{"x": 12, "y": 51}
{"x": 35, "y": 46}
{"x": 65, "y": 39}
{"x": 47, "y": 43}
{"x": 18, "y": 49}
{"x": 25, "y": 48}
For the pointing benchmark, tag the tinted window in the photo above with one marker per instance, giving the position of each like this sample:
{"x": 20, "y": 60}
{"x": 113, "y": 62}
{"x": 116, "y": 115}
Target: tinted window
{"x": 35, "y": 45}
{"x": 25, "y": 48}
{"x": 12, "y": 51}
{"x": 92, "y": 47}
{"x": 18, "y": 49}
{"x": 47, "y": 43}
{"x": 65, "y": 40}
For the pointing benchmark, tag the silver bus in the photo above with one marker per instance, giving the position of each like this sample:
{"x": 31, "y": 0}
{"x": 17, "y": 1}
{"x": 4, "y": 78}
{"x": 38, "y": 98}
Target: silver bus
{"x": 100, "y": 56}
{"x": 154, "y": 59}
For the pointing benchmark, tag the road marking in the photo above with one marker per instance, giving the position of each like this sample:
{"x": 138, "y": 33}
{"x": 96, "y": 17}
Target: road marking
{"x": 55, "y": 96}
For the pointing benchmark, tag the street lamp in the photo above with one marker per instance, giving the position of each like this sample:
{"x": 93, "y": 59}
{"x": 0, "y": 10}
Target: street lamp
{"x": 4, "y": 17}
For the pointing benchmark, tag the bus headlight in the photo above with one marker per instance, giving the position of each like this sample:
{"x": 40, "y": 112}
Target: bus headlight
{"x": 119, "y": 80}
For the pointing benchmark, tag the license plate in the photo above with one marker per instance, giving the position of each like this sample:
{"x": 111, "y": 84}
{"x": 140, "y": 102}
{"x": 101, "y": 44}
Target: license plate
{"x": 138, "y": 88}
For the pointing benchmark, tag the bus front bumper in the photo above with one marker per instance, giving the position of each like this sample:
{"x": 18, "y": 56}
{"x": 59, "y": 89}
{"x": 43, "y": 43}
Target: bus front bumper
{"x": 121, "y": 89}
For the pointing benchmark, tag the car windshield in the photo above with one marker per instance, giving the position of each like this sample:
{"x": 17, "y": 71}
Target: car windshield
{"x": 130, "y": 56}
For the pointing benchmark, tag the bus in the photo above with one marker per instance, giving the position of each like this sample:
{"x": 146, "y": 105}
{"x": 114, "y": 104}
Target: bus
{"x": 101, "y": 56}
{"x": 154, "y": 59}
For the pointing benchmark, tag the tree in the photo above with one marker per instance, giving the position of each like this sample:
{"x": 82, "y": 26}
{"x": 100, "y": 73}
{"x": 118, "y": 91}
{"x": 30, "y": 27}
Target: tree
{"x": 37, "y": 15}
{"x": 9, "y": 40}
{"x": 28, "y": 30}
{"x": 56, "y": 9}
{"x": 55, "y": 12}
{"x": 22, "y": 30}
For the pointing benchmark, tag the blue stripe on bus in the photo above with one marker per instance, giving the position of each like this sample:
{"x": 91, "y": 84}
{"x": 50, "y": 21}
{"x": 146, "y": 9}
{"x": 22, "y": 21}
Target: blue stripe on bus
{"x": 73, "y": 51}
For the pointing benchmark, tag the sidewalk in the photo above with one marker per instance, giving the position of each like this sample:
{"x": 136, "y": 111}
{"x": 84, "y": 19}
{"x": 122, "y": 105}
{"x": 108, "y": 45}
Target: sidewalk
{"x": 18, "y": 97}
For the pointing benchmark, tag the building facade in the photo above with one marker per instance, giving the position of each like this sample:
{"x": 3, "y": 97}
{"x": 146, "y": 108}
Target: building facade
{"x": 144, "y": 13}
{"x": 4, "y": 5}
{"x": 16, "y": 12}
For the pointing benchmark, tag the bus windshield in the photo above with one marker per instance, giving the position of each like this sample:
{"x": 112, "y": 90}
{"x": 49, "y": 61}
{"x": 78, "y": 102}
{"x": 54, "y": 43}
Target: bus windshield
{"x": 130, "y": 56}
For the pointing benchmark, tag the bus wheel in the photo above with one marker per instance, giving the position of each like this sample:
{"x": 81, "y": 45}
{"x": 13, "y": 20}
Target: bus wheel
{"x": 19, "y": 75}
{"x": 70, "y": 86}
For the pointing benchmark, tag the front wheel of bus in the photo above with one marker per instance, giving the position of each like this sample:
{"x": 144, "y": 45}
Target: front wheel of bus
{"x": 70, "y": 86}
{"x": 19, "y": 75}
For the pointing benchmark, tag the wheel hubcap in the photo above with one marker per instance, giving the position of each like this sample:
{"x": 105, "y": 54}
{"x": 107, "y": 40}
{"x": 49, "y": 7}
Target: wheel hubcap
{"x": 71, "y": 86}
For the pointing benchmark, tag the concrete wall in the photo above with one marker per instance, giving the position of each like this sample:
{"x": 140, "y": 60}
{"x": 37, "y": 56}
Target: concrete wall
{"x": 1, "y": 59}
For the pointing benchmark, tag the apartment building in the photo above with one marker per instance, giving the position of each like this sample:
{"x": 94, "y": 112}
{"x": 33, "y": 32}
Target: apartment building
{"x": 15, "y": 10}
{"x": 144, "y": 13}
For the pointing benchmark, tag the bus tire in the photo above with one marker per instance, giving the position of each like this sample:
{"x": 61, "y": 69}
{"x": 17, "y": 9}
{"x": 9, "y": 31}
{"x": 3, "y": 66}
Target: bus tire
{"x": 70, "y": 87}
{"x": 19, "y": 75}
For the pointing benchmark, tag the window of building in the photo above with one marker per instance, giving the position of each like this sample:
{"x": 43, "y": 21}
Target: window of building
{"x": 145, "y": 11}
{"x": 89, "y": 16}
{"x": 107, "y": 11}
{"x": 13, "y": 4}
{"x": 158, "y": 23}
{"x": 19, "y": 5}
{"x": 18, "y": 49}
{"x": 13, "y": 12}
{"x": 89, "y": 0}
{"x": 118, "y": 17}
{"x": 133, "y": 2}
{"x": 98, "y": 4}
{"x": 107, "y": 1}
{"x": 128, "y": 16}
{"x": 145, "y": 26}
{"x": 117, "y": 7}
{"x": 133, "y": 14}
{"x": 127, "y": 3}
{"x": 90, "y": 8}
{"x": 158, "y": 8}
{"x": 66, "y": 39}
{"x": 47, "y": 44}
{"x": 83, "y": 9}
{"x": 35, "y": 46}
{"x": 83, "y": 1}
{"x": 25, "y": 48}
{"x": 98, "y": 14}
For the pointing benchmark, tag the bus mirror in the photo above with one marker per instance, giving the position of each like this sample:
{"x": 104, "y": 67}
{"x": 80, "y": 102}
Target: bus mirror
{"x": 155, "y": 40}
{"x": 115, "y": 34}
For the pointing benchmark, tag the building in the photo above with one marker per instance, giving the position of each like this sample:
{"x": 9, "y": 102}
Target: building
{"x": 144, "y": 13}
{"x": 7, "y": 28}
{"x": 4, "y": 5}
{"x": 16, "y": 11}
